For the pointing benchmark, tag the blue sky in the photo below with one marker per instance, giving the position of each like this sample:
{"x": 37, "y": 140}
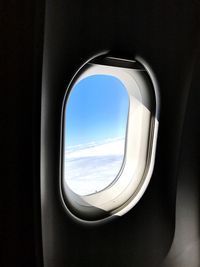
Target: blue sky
{"x": 96, "y": 110}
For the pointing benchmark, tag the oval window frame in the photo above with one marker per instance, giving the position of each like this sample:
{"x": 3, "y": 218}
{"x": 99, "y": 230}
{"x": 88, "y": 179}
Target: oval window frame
{"x": 125, "y": 191}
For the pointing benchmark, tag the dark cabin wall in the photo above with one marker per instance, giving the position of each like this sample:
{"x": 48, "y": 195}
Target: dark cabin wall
{"x": 21, "y": 42}
{"x": 186, "y": 243}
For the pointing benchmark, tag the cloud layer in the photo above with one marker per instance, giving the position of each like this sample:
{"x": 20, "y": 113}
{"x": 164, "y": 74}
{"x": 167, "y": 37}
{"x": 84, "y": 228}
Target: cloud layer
{"x": 92, "y": 167}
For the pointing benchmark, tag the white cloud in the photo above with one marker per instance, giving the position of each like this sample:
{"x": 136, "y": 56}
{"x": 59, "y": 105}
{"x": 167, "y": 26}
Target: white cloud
{"x": 93, "y": 167}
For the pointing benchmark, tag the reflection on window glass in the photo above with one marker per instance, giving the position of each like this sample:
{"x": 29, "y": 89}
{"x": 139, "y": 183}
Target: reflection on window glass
{"x": 96, "y": 116}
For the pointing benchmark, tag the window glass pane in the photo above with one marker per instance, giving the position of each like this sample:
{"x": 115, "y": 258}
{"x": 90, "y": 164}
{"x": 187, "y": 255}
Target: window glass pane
{"x": 96, "y": 116}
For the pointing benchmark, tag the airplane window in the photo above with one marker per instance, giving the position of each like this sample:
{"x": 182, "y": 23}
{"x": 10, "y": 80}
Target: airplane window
{"x": 108, "y": 138}
{"x": 95, "y": 128}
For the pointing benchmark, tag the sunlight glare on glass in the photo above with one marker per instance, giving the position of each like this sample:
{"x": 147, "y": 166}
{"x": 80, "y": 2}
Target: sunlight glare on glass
{"x": 96, "y": 115}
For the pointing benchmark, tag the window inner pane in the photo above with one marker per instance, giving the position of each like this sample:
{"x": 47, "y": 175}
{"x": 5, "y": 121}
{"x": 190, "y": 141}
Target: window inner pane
{"x": 96, "y": 116}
